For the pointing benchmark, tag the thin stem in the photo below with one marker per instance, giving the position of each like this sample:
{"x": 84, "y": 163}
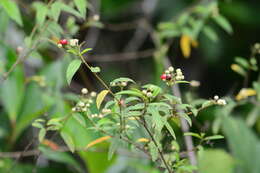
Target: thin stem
{"x": 95, "y": 74}
{"x": 157, "y": 146}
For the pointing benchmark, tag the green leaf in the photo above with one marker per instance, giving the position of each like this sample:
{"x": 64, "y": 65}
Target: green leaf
{"x": 71, "y": 10}
{"x": 215, "y": 137}
{"x": 68, "y": 140}
{"x": 85, "y": 51}
{"x": 207, "y": 104}
{"x": 41, "y": 12}
{"x": 72, "y": 69}
{"x": 62, "y": 157}
{"x": 154, "y": 151}
{"x": 123, "y": 79}
{"x": 187, "y": 118}
{"x": 131, "y": 92}
{"x": 12, "y": 93}
{"x": 224, "y": 23}
{"x": 81, "y": 6}
{"x": 55, "y": 10}
{"x": 12, "y": 10}
{"x": 242, "y": 62}
{"x": 115, "y": 143}
{"x": 192, "y": 134}
{"x": 215, "y": 161}
{"x": 100, "y": 97}
{"x": 95, "y": 69}
{"x": 169, "y": 128}
{"x": 210, "y": 33}
{"x": 246, "y": 150}
{"x": 80, "y": 119}
{"x": 42, "y": 134}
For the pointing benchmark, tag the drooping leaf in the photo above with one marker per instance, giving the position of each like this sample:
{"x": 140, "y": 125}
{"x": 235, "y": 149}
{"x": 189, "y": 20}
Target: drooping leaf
{"x": 97, "y": 141}
{"x": 41, "y": 12}
{"x": 185, "y": 45}
{"x": 55, "y": 10}
{"x": 224, "y": 23}
{"x": 72, "y": 69}
{"x": 215, "y": 161}
{"x": 12, "y": 10}
{"x": 68, "y": 140}
{"x": 215, "y": 137}
{"x": 100, "y": 97}
{"x": 42, "y": 134}
{"x": 62, "y": 157}
{"x": 210, "y": 33}
{"x": 154, "y": 151}
{"x": 81, "y": 6}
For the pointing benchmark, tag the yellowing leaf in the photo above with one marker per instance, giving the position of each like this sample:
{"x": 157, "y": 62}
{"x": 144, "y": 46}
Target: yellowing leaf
{"x": 143, "y": 140}
{"x": 97, "y": 141}
{"x": 185, "y": 45}
{"x": 238, "y": 69}
{"x": 100, "y": 97}
{"x": 244, "y": 93}
{"x": 194, "y": 43}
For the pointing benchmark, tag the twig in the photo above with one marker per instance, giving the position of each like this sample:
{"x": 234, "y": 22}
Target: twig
{"x": 184, "y": 125}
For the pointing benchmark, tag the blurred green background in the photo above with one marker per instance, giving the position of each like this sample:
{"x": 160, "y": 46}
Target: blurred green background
{"x": 119, "y": 33}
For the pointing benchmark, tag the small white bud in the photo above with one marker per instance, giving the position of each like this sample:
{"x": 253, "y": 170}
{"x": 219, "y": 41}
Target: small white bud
{"x": 221, "y": 102}
{"x": 84, "y": 109}
{"x": 178, "y": 77}
{"x": 194, "y": 83}
{"x": 149, "y": 94}
{"x": 171, "y": 69}
{"x": 87, "y": 105}
{"x": 73, "y": 42}
{"x": 81, "y": 104}
{"x": 59, "y": 45}
{"x": 96, "y": 17}
{"x": 144, "y": 91}
{"x": 90, "y": 101}
{"x": 74, "y": 109}
{"x": 216, "y": 97}
{"x": 178, "y": 70}
{"x": 167, "y": 71}
{"x": 93, "y": 94}
{"x": 106, "y": 111}
{"x": 124, "y": 84}
{"x": 84, "y": 91}
{"x": 100, "y": 116}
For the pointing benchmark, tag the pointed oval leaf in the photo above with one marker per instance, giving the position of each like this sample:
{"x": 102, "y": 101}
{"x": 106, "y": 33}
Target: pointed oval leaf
{"x": 100, "y": 97}
{"x": 68, "y": 140}
{"x": 12, "y": 10}
{"x": 72, "y": 69}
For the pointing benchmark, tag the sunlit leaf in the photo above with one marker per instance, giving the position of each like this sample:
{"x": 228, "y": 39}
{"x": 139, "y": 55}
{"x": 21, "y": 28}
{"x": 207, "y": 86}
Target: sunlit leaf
{"x": 97, "y": 141}
{"x": 68, "y": 140}
{"x": 100, "y": 97}
{"x": 12, "y": 10}
{"x": 81, "y": 6}
{"x": 185, "y": 44}
{"x": 72, "y": 69}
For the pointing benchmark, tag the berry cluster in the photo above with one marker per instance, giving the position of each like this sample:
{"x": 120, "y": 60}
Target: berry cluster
{"x": 119, "y": 84}
{"x": 219, "y": 101}
{"x": 148, "y": 93}
{"x": 103, "y": 113}
{"x": 85, "y": 101}
{"x": 170, "y": 76}
{"x": 64, "y": 42}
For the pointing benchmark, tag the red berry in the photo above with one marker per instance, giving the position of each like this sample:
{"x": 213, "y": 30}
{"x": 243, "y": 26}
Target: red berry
{"x": 163, "y": 76}
{"x": 168, "y": 77}
{"x": 63, "y": 42}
